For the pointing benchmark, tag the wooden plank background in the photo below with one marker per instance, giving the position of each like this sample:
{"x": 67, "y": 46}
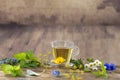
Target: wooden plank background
{"x": 65, "y": 12}
{"x": 101, "y": 42}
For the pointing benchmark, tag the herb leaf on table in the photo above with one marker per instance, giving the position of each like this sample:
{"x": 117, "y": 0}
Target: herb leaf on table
{"x": 13, "y": 70}
{"x": 27, "y": 59}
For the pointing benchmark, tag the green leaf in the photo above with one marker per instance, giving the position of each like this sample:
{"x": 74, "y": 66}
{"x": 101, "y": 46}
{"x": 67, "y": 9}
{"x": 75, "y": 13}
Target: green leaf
{"x": 26, "y": 59}
{"x": 20, "y": 56}
{"x": 7, "y": 68}
{"x": 16, "y": 67}
{"x": 24, "y": 64}
{"x": 17, "y": 73}
{"x": 30, "y": 55}
{"x": 78, "y": 63}
{"x": 90, "y": 59}
{"x": 13, "y": 70}
{"x": 102, "y": 73}
{"x": 34, "y": 64}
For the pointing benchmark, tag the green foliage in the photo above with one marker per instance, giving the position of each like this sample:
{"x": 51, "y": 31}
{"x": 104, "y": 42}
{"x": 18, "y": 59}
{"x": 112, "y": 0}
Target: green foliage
{"x": 90, "y": 60}
{"x": 13, "y": 70}
{"x": 27, "y": 59}
{"x": 78, "y": 63}
{"x": 101, "y": 73}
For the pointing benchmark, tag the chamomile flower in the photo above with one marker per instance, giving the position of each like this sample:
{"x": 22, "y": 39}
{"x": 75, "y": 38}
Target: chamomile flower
{"x": 94, "y": 63}
{"x": 94, "y": 68}
{"x": 86, "y": 65}
{"x": 91, "y": 65}
{"x": 100, "y": 63}
{"x": 97, "y": 62}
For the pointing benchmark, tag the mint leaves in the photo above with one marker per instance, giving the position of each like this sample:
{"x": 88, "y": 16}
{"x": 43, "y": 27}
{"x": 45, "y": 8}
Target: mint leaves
{"x": 27, "y": 59}
{"x": 13, "y": 70}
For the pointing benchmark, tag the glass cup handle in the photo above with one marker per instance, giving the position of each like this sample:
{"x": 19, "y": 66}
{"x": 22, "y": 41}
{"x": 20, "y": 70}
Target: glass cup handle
{"x": 75, "y": 52}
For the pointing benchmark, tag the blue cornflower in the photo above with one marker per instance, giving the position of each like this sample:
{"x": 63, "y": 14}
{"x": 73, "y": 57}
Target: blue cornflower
{"x": 110, "y": 67}
{"x": 113, "y": 67}
{"x": 56, "y": 73}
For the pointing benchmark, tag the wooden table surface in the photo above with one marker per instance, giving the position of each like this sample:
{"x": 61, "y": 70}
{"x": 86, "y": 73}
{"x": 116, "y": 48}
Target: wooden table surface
{"x": 48, "y": 76}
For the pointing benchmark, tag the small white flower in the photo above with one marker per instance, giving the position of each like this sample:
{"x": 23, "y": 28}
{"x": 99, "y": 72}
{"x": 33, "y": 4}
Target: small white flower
{"x": 98, "y": 63}
{"x": 87, "y": 66}
{"x": 94, "y": 63}
{"x": 91, "y": 65}
{"x": 94, "y": 68}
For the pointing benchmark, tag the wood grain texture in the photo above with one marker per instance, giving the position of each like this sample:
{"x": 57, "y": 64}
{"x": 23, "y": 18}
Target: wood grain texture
{"x": 68, "y": 12}
{"x": 101, "y": 42}
{"x": 47, "y": 75}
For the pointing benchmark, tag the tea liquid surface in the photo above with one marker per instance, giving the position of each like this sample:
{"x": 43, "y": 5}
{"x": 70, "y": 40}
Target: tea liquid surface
{"x": 63, "y": 52}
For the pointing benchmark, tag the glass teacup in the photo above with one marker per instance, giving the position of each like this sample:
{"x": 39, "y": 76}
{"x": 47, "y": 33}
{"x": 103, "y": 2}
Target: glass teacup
{"x": 64, "y": 49}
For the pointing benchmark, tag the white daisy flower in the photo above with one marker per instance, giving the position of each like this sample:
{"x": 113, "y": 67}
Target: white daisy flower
{"x": 97, "y": 62}
{"x": 91, "y": 65}
{"x": 86, "y": 65}
{"x": 94, "y": 68}
{"x": 94, "y": 63}
{"x": 100, "y": 63}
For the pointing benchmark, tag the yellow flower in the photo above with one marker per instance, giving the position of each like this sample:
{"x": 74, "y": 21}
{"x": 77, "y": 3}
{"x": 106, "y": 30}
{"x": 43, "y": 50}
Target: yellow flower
{"x": 67, "y": 75}
{"x": 82, "y": 72}
{"x": 80, "y": 78}
{"x": 59, "y": 60}
{"x": 74, "y": 67}
{"x": 72, "y": 77}
{"x": 71, "y": 71}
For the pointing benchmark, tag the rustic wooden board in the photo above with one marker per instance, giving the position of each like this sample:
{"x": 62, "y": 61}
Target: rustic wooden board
{"x": 99, "y": 42}
{"x": 67, "y": 12}
{"x": 48, "y": 76}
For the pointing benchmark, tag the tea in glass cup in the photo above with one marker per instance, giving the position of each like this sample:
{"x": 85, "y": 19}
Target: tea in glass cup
{"x": 64, "y": 49}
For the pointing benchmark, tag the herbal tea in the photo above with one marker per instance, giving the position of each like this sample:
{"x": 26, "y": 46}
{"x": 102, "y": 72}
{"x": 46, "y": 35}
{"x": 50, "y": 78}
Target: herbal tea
{"x": 63, "y": 52}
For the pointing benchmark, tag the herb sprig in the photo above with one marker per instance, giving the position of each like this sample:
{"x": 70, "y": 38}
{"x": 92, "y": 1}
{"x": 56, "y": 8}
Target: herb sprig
{"x": 27, "y": 59}
{"x": 102, "y": 73}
